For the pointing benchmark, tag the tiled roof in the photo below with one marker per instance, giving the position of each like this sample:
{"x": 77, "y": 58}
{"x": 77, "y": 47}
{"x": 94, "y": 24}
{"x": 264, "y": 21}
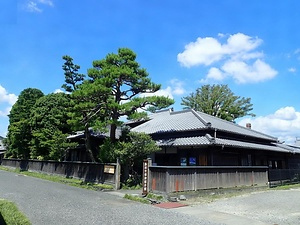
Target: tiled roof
{"x": 248, "y": 145}
{"x": 166, "y": 121}
{"x": 97, "y": 134}
{"x": 188, "y": 141}
{"x": 189, "y": 120}
{"x": 210, "y": 141}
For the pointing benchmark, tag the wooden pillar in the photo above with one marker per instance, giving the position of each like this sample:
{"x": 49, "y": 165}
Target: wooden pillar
{"x": 146, "y": 176}
{"x": 118, "y": 175}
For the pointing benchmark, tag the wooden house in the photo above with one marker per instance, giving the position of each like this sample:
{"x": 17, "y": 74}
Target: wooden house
{"x": 191, "y": 138}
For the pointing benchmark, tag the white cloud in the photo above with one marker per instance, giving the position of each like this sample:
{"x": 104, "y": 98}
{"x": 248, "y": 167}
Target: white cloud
{"x": 5, "y": 111}
{"x": 292, "y": 70}
{"x": 204, "y": 51}
{"x": 283, "y": 124}
{"x": 6, "y": 97}
{"x": 32, "y": 7}
{"x": 6, "y": 101}
{"x": 247, "y": 73}
{"x": 162, "y": 92}
{"x": 177, "y": 87}
{"x": 214, "y": 74}
{"x": 58, "y": 91}
{"x": 46, "y": 2}
{"x": 241, "y": 43}
{"x": 36, "y": 5}
{"x": 238, "y": 57}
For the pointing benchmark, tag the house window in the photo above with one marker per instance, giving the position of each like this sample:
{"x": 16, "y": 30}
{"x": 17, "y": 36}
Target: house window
{"x": 183, "y": 161}
{"x": 192, "y": 161}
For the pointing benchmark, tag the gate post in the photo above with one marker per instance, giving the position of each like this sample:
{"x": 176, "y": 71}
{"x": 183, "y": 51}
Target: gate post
{"x": 146, "y": 175}
{"x": 118, "y": 175}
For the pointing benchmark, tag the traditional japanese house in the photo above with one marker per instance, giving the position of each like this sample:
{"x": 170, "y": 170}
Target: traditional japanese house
{"x": 191, "y": 138}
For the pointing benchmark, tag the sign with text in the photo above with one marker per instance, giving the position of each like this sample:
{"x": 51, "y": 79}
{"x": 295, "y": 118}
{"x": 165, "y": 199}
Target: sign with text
{"x": 145, "y": 177}
{"x": 109, "y": 169}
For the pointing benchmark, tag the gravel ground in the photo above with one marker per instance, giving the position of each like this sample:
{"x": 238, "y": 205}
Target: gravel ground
{"x": 280, "y": 207}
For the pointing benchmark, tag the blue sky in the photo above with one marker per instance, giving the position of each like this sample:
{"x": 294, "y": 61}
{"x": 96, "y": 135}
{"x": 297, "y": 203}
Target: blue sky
{"x": 253, "y": 46}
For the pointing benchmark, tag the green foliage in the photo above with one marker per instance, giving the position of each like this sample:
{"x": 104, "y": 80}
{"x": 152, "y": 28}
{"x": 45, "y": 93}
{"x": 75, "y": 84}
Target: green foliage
{"x": 49, "y": 127}
{"x": 90, "y": 99}
{"x": 139, "y": 146}
{"x": 11, "y": 214}
{"x": 19, "y": 130}
{"x": 122, "y": 75}
{"x": 131, "y": 149}
{"x": 72, "y": 77}
{"x": 155, "y": 196}
{"x": 136, "y": 198}
{"x": 26, "y": 100}
{"x": 131, "y": 184}
{"x": 60, "y": 179}
{"x": 219, "y": 101}
{"x": 111, "y": 91}
{"x": 134, "y": 146}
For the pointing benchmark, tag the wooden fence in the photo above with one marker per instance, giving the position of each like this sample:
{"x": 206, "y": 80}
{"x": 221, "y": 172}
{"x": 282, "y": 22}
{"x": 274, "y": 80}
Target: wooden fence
{"x": 190, "y": 178}
{"x": 281, "y": 176}
{"x": 89, "y": 172}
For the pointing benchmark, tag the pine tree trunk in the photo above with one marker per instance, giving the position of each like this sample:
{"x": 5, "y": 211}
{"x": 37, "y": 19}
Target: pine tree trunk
{"x": 113, "y": 129}
{"x": 88, "y": 143}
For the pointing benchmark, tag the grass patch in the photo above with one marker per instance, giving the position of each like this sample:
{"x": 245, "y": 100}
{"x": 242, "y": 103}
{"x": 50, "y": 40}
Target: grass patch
{"x": 136, "y": 198}
{"x": 131, "y": 187}
{"x": 59, "y": 179}
{"x": 150, "y": 198}
{"x": 155, "y": 197}
{"x": 10, "y": 214}
{"x": 286, "y": 187}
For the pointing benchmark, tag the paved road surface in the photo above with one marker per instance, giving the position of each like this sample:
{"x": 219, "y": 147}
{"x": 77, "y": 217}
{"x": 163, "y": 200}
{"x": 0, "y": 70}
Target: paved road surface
{"x": 45, "y": 202}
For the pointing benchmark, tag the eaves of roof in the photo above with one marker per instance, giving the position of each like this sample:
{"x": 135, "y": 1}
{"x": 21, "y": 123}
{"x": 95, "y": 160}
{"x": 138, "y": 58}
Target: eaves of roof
{"x": 207, "y": 140}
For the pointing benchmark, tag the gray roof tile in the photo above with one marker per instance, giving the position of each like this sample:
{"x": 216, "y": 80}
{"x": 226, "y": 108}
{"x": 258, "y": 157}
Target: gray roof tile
{"x": 188, "y": 141}
{"x": 187, "y": 120}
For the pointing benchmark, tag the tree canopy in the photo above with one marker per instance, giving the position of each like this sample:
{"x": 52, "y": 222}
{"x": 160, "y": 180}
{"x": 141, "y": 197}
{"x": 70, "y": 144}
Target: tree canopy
{"x": 112, "y": 89}
{"x": 219, "y": 101}
{"x": 19, "y": 129}
{"x": 125, "y": 80}
{"x": 49, "y": 126}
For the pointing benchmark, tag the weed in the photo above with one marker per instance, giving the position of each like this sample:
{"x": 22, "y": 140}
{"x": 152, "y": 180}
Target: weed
{"x": 136, "y": 198}
{"x": 11, "y": 215}
{"x": 61, "y": 179}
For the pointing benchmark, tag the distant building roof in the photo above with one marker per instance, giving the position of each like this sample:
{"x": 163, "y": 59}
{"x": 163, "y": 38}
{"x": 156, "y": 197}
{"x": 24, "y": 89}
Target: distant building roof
{"x": 96, "y": 134}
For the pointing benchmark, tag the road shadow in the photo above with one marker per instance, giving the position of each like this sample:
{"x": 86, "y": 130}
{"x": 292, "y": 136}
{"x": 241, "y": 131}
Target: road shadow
{"x": 2, "y": 222}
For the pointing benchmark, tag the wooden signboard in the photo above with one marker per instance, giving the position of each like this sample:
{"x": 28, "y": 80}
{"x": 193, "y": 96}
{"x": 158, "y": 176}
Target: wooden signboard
{"x": 109, "y": 169}
{"x": 145, "y": 177}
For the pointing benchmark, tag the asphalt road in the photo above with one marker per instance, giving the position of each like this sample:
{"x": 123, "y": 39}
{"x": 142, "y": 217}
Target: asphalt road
{"x": 46, "y": 202}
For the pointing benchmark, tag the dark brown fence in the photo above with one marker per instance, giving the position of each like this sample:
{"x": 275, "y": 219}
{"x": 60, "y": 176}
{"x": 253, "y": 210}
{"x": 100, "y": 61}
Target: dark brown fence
{"x": 89, "y": 172}
{"x": 280, "y": 176}
{"x": 190, "y": 178}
